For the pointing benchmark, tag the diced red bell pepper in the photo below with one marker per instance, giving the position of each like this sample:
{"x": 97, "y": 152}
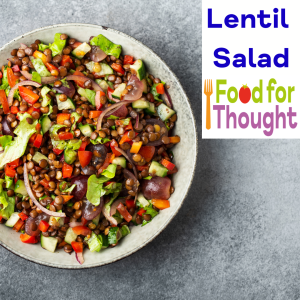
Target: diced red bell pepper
{"x": 38, "y": 126}
{"x": 51, "y": 67}
{"x": 32, "y": 138}
{"x": 79, "y": 82}
{"x": 125, "y": 138}
{"x": 106, "y": 163}
{"x": 23, "y": 216}
{"x": 44, "y": 183}
{"x": 65, "y": 136}
{"x": 128, "y": 60}
{"x": 77, "y": 246}
{"x": 67, "y": 59}
{"x": 43, "y": 226}
{"x": 16, "y": 68}
{"x": 141, "y": 168}
{"x": 1, "y": 75}
{"x": 11, "y": 78}
{"x": 112, "y": 158}
{"x": 93, "y": 114}
{"x": 167, "y": 164}
{"x": 135, "y": 147}
{"x": 42, "y": 56}
{"x": 160, "y": 204}
{"x": 57, "y": 151}
{"x": 10, "y": 172}
{"x": 82, "y": 230}
{"x": 114, "y": 144}
{"x": 38, "y": 141}
{"x": 141, "y": 212}
{"x": 31, "y": 109}
{"x": 67, "y": 170}
{"x": 14, "y": 164}
{"x": 98, "y": 104}
{"x": 4, "y": 102}
{"x": 67, "y": 198}
{"x": 28, "y": 239}
{"x": 84, "y": 157}
{"x": 62, "y": 117}
{"x": 124, "y": 212}
{"x": 129, "y": 126}
{"x": 147, "y": 152}
{"x": 160, "y": 88}
{"x": 28, "y": 95}
{"x": 18, "y": 225}
{"x": 130, "y": 203}
{"x": 118, "y": 68}
{"x": 14, "y": 110}
{"x": 83, "y": 221}
{"x": 83, "y": 145}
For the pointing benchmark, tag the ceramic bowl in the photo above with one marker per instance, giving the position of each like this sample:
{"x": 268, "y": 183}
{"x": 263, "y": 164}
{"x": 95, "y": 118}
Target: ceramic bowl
{"x": 185, "y": 152}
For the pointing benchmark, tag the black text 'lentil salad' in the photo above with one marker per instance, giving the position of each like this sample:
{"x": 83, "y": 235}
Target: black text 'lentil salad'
{"x": 85, "y": 136}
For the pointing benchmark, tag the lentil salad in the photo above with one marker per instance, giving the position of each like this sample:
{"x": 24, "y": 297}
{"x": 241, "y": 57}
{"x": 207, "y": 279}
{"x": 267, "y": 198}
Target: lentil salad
{"x": 85, "y": 144}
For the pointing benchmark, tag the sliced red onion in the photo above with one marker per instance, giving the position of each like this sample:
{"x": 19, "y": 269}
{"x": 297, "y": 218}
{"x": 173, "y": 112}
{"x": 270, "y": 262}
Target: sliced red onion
{"x": 10, "y": 97}
{"x": 74, "y": 224}
{"x": 167, "y": 98}
{"x": 130, "y": 160}
{"x": 95, "y": 86}
{"x": 137, "y": 90}
{"x": 136, "y": 126}
{"x": 97, "y": 54}
{"x": 44, "y": 80}
{"x": 23, "y": 46}
{"x": 113, "y": 208}
{"x": 69, "y": 91}
{"x": 62, "y": 158}
{"x": 32, "y": 197}
{"x": 79, "y": 257}
{"x": 106, "y": 214}
{"x": 162, "y": 125}
{"x": 97, "y": 100}
{"x": 120, "y": 112}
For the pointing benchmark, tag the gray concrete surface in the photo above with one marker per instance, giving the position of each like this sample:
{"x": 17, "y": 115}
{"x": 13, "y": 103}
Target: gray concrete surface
{"x": 237, "y": 234}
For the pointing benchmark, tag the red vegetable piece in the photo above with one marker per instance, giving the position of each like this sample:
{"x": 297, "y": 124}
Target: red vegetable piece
{"x": 114, "y": 144}
{"x": 84, "y": 157}
{"x": 43, "y": 226}
{"x": 124, "y": 212}
{"x": 10, "y": 172}
{"x": 77, "y": 246}
{"x": 82, "y": 230}
{"x": 147, "y": 152}
{"x": 57, "y": 151}
{"x": 14, "y": 164}
{"x": 130, "y": 203}
{"x": 141, "y": 212}
{"x": 83, "y": 145}
{"x": 22, "y": 216}
{"x": 65, "y": 136}
{"x": 167, "y": 164}
{"x": 4, "y": 102}
{"x": 25, "y": 238}
{"x": 67, "y": 170}
{"x": 18, "y": 225}
{"x": 28, "y": 95}
{"x": 118, "y": 68}
{"x": 38, "y": 141}
{"x": 128, "y": 60}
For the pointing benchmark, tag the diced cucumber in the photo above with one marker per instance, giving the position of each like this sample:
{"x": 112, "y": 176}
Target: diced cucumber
{"x": 142, "y": 200}
{"x": 70, "y": 156}
{"x": 125, "y": 230}
{"x": 134, "y": 219}
{"x": 151, "y": 110}
{"x": 86, "y": 130}
{"x": 165, "y": 112}
{"x": 104, "y": 240}
{"x": 158, "y": 169}
{"x": 105, "y": 69}
{"x": 81, "y": 50}
{"x": 144, "y": 82}
{"x": 118, "y": 91}
{"x": 71, "y": 236}
{"x": 40, "y": 67}
{"x": 103, "y": 84}
{"x": 120, "y": 161}
{"x": 141, "y": 104}
{"x": 45, "y": 123}
{"x": 20, "y": 188}
{"x": 49, "y": 243}
{"x": 14, "y": 218}
{"x": 94, "y": 243}
{"x": 96, "y": 220}
{"x": 138, "y": 68}
{"x": 37, "y": 157}
{"x": 68, "y": 104}
{"x": 88, "y": 94}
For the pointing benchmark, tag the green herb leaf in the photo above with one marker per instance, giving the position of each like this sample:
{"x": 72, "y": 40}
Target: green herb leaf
{"x": 36, "y": 77}
{"x": 113, "y": 118}
{"x": 95, "y": 190}
{"x": 110, "y": 171}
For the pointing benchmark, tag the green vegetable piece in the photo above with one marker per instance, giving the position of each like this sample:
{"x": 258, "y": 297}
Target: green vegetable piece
{"x": 16, "y": 148}
{"x": 114, "y": 235}
{"x": 110, "y": 171}
{"x": 40, "y": 67}
{"x": 125, "y": 230}
{"x": 139, "y": 69}
{"x": 36, "y": 77}
{"x": 100, "y": 140}
{"x": 94, "y": 243}
{"x": 8, "y": 203}
{"x": 154, "y": 92}
{"x": 43, "y": 47}
{"x": 4, "y": 84}
{"x": 5, "y": 140}
{"x": 76, "y": 117}
{"x": 46, "y": 100}
{"x": 9, "y": 181}
{"x": 95, "y": 189}
{"x": 89, "y": 94}
{"x": 58, "y": 45}
{"x": 106, "y": 45}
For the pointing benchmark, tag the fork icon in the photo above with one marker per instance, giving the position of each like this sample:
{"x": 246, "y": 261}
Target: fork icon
{"x": 208, "y": 90}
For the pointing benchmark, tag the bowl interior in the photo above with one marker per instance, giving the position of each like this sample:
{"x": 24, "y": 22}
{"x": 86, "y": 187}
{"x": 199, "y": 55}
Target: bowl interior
{"x": 185, "y": 152}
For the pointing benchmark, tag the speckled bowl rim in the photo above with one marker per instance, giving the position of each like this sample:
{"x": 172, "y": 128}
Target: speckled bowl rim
{"x": 80, "y": 267}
